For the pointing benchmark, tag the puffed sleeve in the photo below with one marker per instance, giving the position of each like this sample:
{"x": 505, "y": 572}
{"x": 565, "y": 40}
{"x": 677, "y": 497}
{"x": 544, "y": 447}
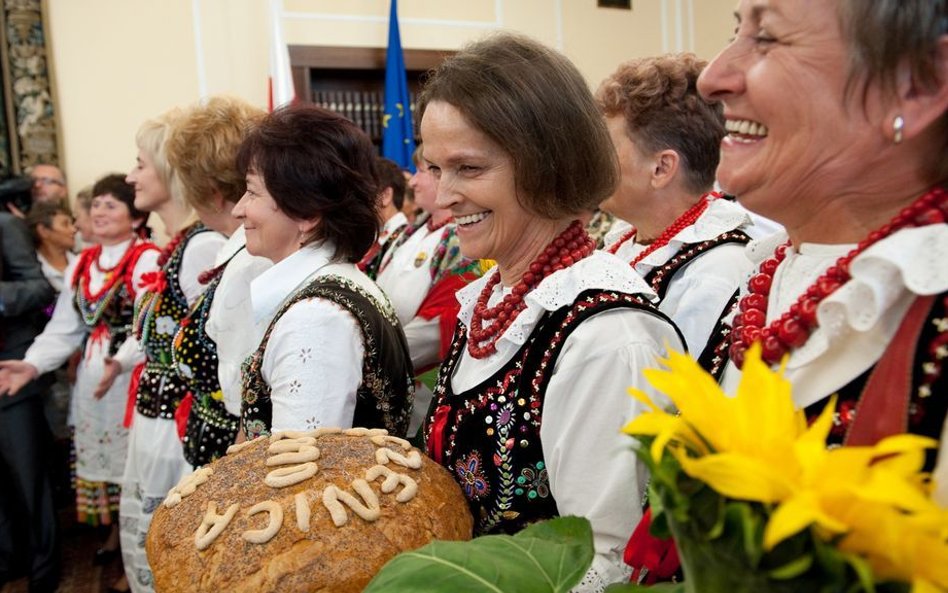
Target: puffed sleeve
{"x": 129, "y": 353}
{"x": 313, "y": 365}
{"x": 592, "y": 469}
{"x": 63, "y": 333}
{"x": 700, "y": 291}
{"x": 199, "y": 256}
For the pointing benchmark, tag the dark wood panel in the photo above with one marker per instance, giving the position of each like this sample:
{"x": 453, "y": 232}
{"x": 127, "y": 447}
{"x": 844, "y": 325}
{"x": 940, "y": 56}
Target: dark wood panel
{"x": 362, "y": 58}
{"x": 351, "y": 80}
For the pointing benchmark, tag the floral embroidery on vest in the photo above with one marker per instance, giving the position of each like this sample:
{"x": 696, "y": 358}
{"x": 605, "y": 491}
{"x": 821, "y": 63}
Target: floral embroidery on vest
{"x": 489, "y": 436}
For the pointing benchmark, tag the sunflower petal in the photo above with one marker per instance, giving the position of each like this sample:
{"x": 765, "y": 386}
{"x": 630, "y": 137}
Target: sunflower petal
{"x": 641, "y": 396}
{"x": 795, "y": 515}
{"x": 739, "y": 476}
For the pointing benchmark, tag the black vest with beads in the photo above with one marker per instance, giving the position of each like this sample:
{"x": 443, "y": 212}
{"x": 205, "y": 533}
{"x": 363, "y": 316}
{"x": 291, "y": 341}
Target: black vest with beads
{"x": 488, "y": 437}
{"x": 660, "y": 277}
{"x": 161, "y": 389}
{"x": 210, "y": 427}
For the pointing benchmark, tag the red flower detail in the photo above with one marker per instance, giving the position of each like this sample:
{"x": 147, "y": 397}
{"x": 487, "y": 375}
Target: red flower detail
{"x": 154, "y": 281}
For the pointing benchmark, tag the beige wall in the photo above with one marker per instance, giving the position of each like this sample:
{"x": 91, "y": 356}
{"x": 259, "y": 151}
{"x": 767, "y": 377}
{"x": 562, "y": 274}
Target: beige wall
{"x": 118, "y": 62}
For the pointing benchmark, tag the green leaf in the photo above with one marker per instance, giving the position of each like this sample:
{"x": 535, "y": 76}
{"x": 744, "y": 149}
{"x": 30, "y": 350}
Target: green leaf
{"x": 547, "y": 557}
{"x": 749, "y": 525}
{"x": 793, "y": 568}
{"x": 429, "y": 379}
{"x": 863, "y": 572}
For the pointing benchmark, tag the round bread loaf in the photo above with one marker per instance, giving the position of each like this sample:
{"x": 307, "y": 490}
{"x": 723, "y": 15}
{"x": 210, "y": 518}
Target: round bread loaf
{"x": 302, "y": 512}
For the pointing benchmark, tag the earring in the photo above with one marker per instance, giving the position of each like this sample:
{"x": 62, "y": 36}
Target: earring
{"x": 898, "y": 124}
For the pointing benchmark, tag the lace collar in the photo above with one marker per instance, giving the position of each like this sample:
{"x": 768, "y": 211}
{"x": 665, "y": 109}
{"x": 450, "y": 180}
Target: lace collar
{"x": 910, "y": 261}
{"x": 600, "y": 270}
{"x": 720, "y": 217}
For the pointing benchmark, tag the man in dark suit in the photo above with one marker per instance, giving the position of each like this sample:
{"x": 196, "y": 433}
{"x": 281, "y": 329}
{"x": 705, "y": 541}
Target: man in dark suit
{"x": 24, "y": 435}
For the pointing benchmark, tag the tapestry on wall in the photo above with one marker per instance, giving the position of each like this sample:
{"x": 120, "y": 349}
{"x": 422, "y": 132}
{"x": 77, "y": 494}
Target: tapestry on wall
{"x": 27, "y": 125}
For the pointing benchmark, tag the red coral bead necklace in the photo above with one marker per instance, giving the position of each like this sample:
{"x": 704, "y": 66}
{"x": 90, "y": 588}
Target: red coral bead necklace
{"x": 432, "y": 227}
{"x": 685, "y": 220}
{"x": 489, "y": 323}
{"x": 111, "y": 275}
{"x": 792, "y": 329}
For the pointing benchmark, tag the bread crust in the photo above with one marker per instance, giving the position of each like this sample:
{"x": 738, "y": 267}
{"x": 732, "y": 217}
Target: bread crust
{"x": 323, "y": 558}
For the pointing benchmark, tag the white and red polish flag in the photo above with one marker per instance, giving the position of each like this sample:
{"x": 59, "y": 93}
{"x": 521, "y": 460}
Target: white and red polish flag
{"x": 280, "y": 83}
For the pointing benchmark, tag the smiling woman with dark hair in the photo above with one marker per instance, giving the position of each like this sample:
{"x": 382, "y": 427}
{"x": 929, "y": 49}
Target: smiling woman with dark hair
{"x": 94, "y": 312}
{"x": 332, "y": 352}
{"x": 532, "y": 395}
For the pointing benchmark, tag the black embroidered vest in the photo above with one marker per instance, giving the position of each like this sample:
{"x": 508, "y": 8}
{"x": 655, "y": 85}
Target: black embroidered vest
{"x": 659, "y": 277}
{"x": 714, "y": 357}
{"x": 161, "y": 389}
{"x": 210, "y": 428}
{"x": 928, "y": 401}
{"x": 489, "y": 436}
{"x": 385, "y": 396}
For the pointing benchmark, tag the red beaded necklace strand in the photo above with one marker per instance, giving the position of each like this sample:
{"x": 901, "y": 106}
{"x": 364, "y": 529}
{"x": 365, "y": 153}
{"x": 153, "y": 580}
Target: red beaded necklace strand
{"x": 111, "y": 278}
{"x": 687, "y": 218}
{"x": 489, "y": 323}
{"x": 433, "y": 227}
{"x": 792, "y": 329}
{"x": 171, "y": 246}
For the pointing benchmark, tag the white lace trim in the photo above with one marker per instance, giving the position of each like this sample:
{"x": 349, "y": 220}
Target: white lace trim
{"x": 760, "y": 249}
{"x": 602, "y": 271}
{"x": 617, "y": 231}
{"x": 591, "y": 583}
{"x": 909, "y": 261}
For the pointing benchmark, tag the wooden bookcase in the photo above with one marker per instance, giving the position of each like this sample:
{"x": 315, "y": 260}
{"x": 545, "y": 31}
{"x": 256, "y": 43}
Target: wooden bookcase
{"x": 351, "y": 80}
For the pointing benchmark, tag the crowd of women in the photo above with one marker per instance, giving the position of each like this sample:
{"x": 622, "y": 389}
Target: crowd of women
{"x": 293, "y": 294}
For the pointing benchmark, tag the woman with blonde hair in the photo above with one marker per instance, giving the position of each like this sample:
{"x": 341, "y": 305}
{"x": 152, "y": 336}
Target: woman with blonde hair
{"x": 155, "y": 456}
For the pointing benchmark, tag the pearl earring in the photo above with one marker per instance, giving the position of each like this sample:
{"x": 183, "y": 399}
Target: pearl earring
{"x": 898, "y": 125}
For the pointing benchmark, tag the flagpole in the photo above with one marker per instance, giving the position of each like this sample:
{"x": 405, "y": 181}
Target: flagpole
{"x": 280, "y": 90}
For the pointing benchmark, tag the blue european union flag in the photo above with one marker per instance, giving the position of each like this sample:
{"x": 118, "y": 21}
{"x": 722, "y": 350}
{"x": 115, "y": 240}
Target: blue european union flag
{"x": 398, "y": 138}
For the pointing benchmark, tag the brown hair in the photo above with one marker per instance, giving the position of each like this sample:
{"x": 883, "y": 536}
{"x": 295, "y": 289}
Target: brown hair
{"x": 389, "y": 174}
{"x": 534, "y": 104}
{"x": 42, "y": 214}
{"x": 202, "y": 147}
{"x": 658, "y": 97}
{"x": 883, "y": 34}
{"x": 317, "y": 164}
{"x": 114, "y": 185}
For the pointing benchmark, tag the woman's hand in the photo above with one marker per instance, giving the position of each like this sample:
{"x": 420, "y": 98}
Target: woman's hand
{"x": 109, "y": 373}
{"x": 14, "y": 374}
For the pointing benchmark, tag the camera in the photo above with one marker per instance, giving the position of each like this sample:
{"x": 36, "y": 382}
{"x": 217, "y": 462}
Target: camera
{"x": 16, "y": 191}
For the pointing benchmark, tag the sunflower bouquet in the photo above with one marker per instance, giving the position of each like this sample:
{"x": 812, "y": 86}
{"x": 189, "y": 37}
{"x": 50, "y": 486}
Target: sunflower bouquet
{"x": 756, "y": 501}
